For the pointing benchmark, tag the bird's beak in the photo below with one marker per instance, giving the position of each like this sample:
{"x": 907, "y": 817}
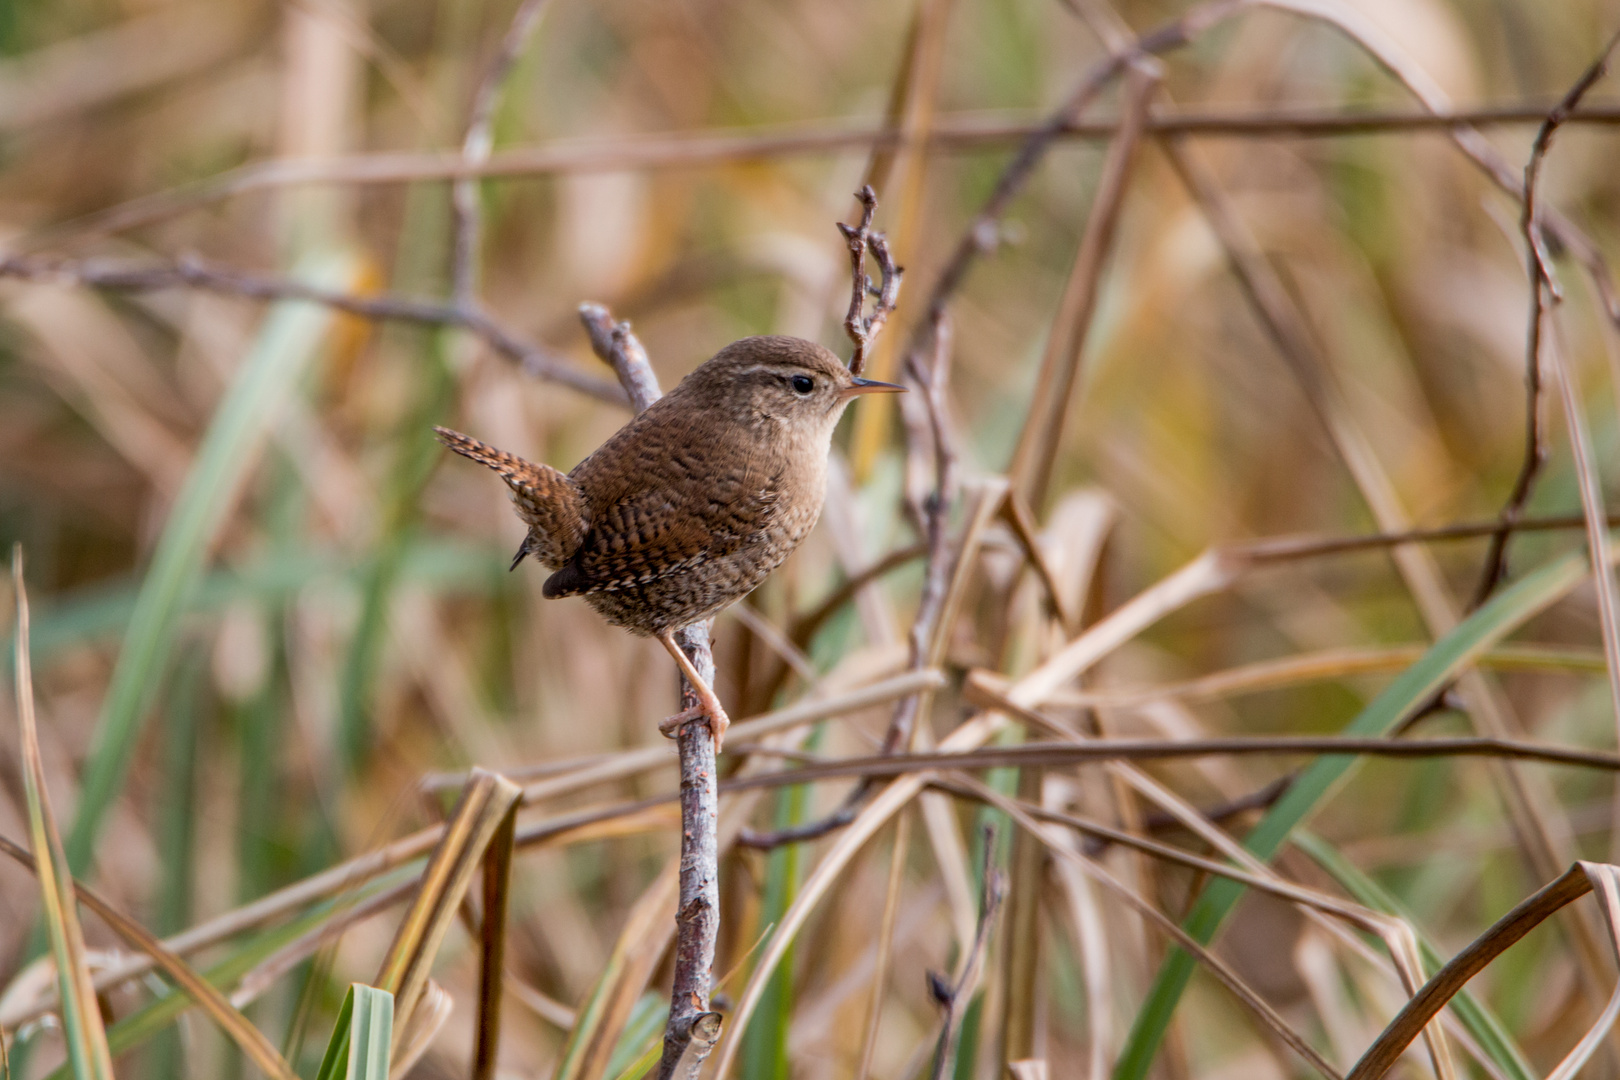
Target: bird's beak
{"x": 872, "y": 386}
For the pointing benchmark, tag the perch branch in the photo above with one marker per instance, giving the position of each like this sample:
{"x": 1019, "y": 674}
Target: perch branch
{"x": 692, "y": 1028}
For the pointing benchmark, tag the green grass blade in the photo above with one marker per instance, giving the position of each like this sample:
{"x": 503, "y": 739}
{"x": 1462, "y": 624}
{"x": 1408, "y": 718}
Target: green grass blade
{"x": 642, "y": 1041}
{"x": 1482, "y": 1024}
{"x": 81, "y": 1017}
{"x": 99, "y": 612}
{"x": 360, "y": 1044}
{"x": 765, "y": 1043}
{"x": 291, "y": 338}
{"x": 1508, "y": 610}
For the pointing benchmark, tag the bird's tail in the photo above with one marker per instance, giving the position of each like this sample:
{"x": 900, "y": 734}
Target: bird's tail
{"x": 547, "y": 501}
{"x": 508, "y": 465}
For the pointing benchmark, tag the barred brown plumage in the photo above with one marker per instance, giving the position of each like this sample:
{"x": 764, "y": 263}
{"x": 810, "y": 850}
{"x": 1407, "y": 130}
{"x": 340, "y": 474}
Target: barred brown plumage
{"x": 694, "y": 502}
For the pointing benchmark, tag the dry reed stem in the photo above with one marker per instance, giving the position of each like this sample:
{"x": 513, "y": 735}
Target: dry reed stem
{"x": 497, "y": 893}
{"x": 954, "y": 994}
{"x": 483, "y": 812}
{"x": 1037, "y": 448}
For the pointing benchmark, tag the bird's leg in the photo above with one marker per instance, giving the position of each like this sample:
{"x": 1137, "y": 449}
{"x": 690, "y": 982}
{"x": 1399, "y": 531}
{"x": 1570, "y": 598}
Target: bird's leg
{"x": 708, "y": 705}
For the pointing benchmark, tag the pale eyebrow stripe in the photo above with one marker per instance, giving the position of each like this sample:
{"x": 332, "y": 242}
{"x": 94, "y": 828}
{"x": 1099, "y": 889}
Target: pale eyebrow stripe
{"x": 774, "y": 369}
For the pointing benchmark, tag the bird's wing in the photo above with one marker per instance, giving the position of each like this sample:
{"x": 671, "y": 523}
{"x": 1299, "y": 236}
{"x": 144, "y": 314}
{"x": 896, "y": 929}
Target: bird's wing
{"x": 547, "y": 500}
{"x": 691, "y": 501}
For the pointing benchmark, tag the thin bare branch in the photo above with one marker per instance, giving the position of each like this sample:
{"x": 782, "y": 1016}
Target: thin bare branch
{"x": 620, "y": 349}
{"x": 970, "y": 132}
{"x": 194, "y": 273}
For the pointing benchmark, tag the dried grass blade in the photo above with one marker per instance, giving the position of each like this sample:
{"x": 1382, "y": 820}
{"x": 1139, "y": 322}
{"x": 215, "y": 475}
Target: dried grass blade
{"x": 1208, "y": 573}
{"x": 1591, "y": 492}
{"x": 250, "y": 1039}
{"x": 1489, "y": 1034}
{"x": 1606, "y": 882}
{"x": 83, "y": 1032}
{"x": 1065, "y": 344}
{"x": 432, "y": 1012}
{"x": 492, "y": 946}
{"x": 1574, "y": 883}
{"x": 485, "y": 805}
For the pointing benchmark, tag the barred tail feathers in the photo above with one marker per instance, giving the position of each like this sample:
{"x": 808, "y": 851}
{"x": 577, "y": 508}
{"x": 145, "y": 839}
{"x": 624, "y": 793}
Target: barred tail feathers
{"x": 548, "y": 502}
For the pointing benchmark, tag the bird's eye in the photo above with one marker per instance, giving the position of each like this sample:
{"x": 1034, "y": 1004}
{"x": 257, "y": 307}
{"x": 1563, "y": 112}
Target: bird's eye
{"x": 803, "y": 384}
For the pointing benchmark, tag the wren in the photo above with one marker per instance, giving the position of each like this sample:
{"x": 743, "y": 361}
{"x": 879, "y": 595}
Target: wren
{"x": 694, "y": 502}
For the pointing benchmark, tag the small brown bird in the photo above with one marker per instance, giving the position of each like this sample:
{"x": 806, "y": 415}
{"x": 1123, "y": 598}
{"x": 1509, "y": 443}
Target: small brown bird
{"x": 695, "y": 501}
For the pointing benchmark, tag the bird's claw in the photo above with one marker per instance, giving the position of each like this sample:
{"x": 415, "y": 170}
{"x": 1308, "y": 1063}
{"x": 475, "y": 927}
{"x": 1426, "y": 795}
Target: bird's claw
{"x": 717, "y": 719}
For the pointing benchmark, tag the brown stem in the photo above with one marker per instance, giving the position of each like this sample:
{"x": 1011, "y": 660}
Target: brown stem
{"x": 692, "y": 1029}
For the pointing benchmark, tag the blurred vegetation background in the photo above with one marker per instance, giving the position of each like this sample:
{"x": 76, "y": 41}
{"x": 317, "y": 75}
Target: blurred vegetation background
{"x": 266, "y": 606}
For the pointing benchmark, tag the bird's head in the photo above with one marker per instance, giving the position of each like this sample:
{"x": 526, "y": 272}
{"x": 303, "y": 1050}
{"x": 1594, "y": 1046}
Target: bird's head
{"x": 785, "y": 380}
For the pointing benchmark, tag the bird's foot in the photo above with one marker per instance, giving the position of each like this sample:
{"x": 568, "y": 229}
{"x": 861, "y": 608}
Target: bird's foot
{"x": 710, "y": 711}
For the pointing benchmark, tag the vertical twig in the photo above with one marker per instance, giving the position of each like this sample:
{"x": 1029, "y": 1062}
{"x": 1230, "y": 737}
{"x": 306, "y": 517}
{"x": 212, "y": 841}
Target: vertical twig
{"x": 952, "y": 995}
{"x": 1542, "y": 288}
{"x": 692, "y": 1029}
{"x": 475, "y": 148}
{"x": 925, "y": 628}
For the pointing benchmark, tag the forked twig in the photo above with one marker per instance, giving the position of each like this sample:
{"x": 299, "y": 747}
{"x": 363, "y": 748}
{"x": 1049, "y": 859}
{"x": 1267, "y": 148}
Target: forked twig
{"x": 863, "y": 329}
